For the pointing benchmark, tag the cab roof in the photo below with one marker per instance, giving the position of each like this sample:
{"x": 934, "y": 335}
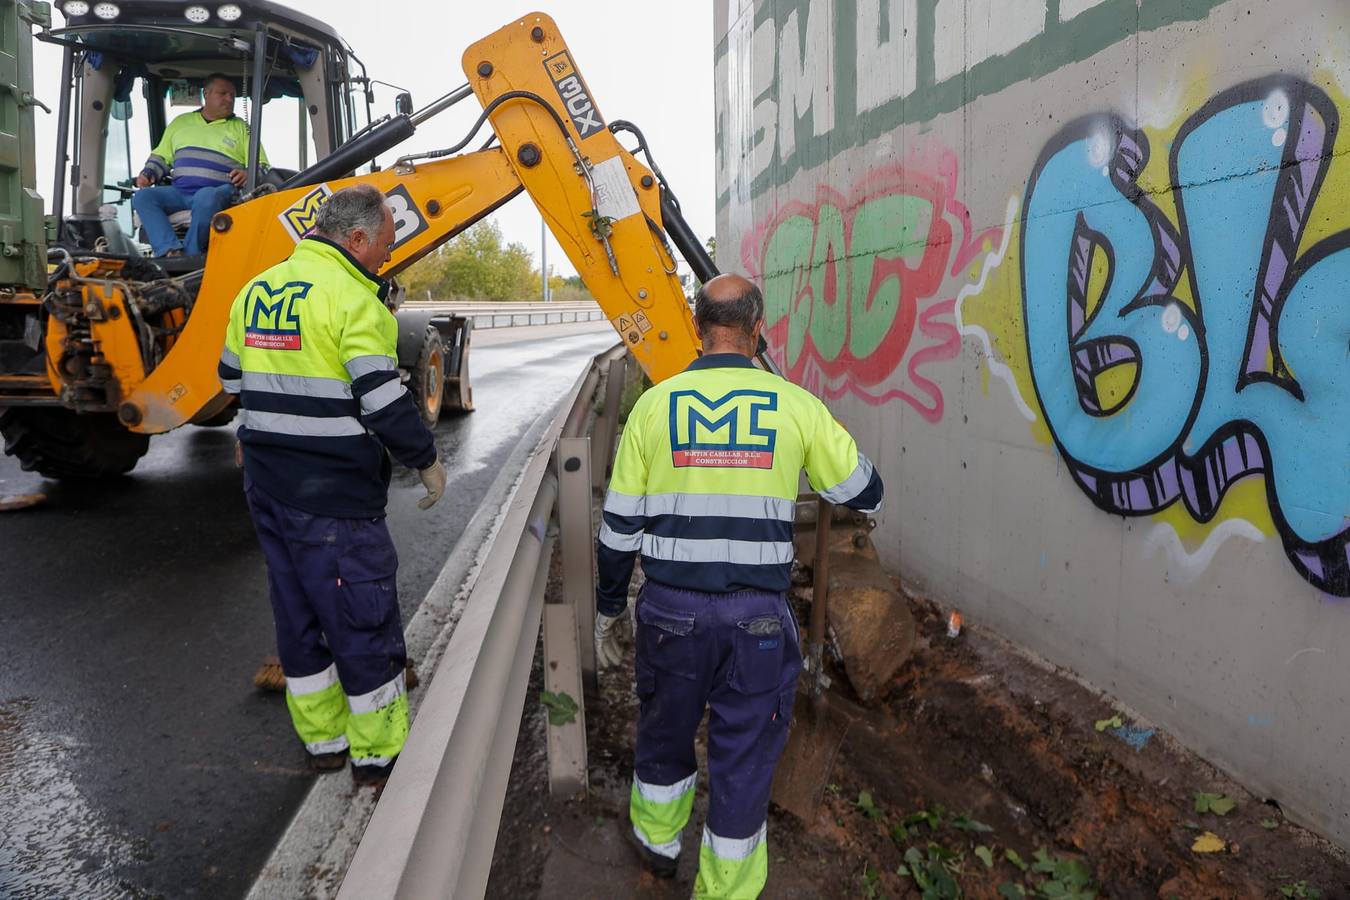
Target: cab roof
{"x": 160, "y": 29}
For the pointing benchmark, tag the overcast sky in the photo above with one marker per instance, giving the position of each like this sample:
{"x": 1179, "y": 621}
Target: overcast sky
{"x": 646, "y": 61}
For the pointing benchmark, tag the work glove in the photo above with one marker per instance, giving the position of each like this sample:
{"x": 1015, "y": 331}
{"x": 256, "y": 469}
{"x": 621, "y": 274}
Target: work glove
{"x": 433, "y": 479}
{"x": 608, "y": 653}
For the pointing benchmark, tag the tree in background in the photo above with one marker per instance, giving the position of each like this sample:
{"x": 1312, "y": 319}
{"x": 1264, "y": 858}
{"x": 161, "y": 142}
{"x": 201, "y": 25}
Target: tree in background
{"x": 476, "y": 265}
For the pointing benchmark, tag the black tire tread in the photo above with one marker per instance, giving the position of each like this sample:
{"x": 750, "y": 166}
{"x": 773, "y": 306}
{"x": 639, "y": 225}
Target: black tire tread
{"x": 59, "y": 443}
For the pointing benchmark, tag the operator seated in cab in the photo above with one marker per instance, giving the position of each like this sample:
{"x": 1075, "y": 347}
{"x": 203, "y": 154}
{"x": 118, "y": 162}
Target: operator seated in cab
{"x": 206, "y": 152}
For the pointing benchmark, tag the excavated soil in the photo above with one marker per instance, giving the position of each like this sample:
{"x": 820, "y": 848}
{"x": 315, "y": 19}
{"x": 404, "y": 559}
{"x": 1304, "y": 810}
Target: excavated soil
{"x": 976, "y": 746}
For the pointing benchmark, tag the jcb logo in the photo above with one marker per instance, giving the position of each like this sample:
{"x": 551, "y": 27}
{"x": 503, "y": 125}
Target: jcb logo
{"x": 725, "y": 432}
{"x": 271, "y": 321}
{"x": 300, "y": 216}
{"x": 574, "y": 95}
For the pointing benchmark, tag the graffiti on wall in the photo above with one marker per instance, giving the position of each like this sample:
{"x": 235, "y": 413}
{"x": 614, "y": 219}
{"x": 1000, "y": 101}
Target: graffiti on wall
{"x": 1187, "y": 340}
{"x": 851, "y": 282}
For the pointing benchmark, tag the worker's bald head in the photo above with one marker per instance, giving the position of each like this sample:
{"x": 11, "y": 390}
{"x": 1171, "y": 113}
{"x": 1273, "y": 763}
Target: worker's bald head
{"x": 729, "y": 309}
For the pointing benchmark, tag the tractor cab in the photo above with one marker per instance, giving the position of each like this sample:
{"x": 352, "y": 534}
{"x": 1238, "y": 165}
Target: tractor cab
{"x": 131, "y": 67}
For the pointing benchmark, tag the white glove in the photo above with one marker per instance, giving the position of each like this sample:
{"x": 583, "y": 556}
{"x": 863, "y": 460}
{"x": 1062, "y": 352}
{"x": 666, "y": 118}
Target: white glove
{"x": 433, "y": 479}
{"x": 608, "y": 653}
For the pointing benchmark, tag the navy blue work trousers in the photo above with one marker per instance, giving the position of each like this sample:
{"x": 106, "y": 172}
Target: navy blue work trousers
{"x": 736, "y": 655}
{"x": 333, "y": 590}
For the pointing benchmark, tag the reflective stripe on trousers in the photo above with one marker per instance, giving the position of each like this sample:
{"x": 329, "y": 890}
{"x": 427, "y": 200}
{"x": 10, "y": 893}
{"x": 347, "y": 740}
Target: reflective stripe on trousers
{"x": 659, "y": 813}
{"x": 732, "y": 867}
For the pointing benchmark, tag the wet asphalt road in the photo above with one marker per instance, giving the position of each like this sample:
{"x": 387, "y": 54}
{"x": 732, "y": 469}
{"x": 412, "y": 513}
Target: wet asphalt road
{"x": 136, "y": 759}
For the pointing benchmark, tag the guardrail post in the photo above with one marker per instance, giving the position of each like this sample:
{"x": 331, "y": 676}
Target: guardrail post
{"x": 607, "y": 423}
{"x": 562, "y": 676}
{"x": 578, "y": 545}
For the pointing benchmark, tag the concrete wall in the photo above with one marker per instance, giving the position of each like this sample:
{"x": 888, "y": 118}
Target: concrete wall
{"x": 1077, "y": 273}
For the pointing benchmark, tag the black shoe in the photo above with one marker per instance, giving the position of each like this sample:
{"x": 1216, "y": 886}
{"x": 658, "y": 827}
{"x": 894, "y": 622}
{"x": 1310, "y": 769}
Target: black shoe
{"x": 328, "y": 762}
{"x": 658, "y": 865}
{"x": 372, "y": 776}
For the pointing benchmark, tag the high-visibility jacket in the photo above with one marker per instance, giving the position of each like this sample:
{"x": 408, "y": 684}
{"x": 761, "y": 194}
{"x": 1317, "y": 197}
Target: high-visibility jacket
{"x": 705, "y": 480}
{"x": 312, "y": 352}
{"x": 200, "y": 153}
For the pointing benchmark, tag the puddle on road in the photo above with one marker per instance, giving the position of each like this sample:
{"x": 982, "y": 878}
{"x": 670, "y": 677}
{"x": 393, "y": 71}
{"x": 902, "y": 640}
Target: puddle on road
{"x": 52, "y": 843}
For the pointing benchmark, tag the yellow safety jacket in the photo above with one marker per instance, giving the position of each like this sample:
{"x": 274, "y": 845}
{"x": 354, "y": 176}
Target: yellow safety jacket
{"x": 705, "y": 480}
{"x": 200, "y": 153}
{"x": 312, "y": 352}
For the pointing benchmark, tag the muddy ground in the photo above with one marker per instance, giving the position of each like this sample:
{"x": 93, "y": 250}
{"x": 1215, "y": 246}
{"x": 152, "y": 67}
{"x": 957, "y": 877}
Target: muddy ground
{"x": 982, "y": 774}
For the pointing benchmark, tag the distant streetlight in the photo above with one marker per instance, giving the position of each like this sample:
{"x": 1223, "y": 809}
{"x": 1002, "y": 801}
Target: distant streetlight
{"x": 543, "y": 260}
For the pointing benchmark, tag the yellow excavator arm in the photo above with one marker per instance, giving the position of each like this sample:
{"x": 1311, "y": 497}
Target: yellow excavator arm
{"x": 602, "y": 204}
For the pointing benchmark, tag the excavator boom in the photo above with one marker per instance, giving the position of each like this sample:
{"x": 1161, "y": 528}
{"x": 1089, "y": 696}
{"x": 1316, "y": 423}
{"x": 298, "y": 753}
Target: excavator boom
{"x": 602, "y": 204}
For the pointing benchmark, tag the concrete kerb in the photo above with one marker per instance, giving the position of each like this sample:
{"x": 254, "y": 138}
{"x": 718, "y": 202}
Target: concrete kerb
{"x": 320, "y": 841}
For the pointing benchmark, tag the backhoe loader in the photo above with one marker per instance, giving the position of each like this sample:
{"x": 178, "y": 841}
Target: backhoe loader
{"x": 102, "y": 347}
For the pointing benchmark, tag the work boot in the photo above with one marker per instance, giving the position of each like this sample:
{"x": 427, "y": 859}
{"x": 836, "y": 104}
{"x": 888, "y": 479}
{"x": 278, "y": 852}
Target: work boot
{"x": 372, "y": 776}
{"x": 658, "y": 865}
{"x": 328, "y": 762}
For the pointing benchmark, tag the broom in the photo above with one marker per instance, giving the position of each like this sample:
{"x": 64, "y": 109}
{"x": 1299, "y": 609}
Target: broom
{"x": 270, "y": 678}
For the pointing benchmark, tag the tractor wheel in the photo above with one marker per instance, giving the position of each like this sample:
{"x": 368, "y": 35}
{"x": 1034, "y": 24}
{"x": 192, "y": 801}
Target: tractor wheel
{"x": 428, "y": 377}
{"x": 59, "y": 443}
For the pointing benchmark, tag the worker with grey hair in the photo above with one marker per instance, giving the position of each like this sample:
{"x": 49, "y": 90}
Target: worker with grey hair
{"x": 311, "y": 351}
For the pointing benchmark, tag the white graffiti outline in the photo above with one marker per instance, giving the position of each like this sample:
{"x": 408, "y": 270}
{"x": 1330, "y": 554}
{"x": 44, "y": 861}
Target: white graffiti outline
{"x": 991, "y": 262}
{"x": 1187, "y": 567}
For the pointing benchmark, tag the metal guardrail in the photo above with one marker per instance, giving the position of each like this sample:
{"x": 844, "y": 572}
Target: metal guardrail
{"x": 433, "y": 831}
{"x": 511, "y": 315}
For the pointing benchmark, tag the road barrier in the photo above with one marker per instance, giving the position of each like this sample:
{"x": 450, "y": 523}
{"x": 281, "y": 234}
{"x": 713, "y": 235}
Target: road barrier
{"x": 433, "y": 831}
{"x": 511, "y": 315}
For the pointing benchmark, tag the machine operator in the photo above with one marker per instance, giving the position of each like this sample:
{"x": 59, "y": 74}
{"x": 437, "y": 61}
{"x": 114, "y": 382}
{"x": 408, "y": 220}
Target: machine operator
{"x": 206, "y": 152}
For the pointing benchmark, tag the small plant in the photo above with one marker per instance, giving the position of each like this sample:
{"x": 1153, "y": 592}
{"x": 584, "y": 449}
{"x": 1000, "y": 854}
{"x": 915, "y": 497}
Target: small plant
{"x": 1103, "y": 724}
{"x": 1067, "y": 879}
{"x": 965, "y": 823}
{"x": 867, "y": 805}
{"x": 871, "y": 880}
{"x": 1299, "y": 889}
{"x": 1214, "y": 803}
{"x": 562, "y": 709}
{"x": 934, "y": 874}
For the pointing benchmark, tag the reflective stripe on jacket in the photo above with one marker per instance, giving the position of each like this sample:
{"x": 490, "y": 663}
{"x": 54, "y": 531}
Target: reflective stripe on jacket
{"x": 200, "y": 153}
{"x": 311, "y": 350}
{"x": 705, "y": 480}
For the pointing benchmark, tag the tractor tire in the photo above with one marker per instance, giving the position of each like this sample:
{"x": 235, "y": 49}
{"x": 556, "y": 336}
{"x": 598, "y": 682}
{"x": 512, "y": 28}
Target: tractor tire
{"x": 428, "y": 377}
{"x": 59, "y": 443}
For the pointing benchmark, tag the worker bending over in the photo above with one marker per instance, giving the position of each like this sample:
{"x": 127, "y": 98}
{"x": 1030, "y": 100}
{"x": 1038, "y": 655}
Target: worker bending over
{"x": 311, "y": 351}
{"x": 206, "y": 151}
{"x": 704, "y": 486}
